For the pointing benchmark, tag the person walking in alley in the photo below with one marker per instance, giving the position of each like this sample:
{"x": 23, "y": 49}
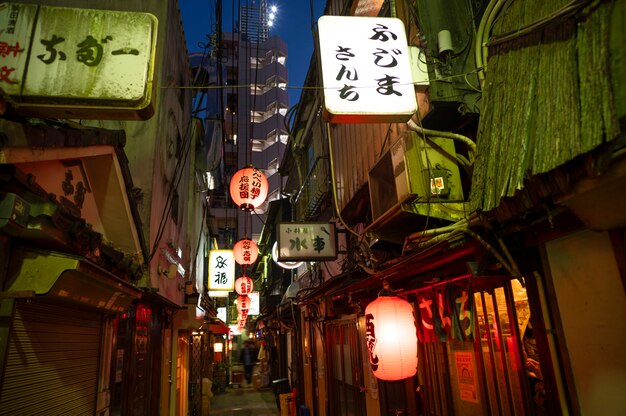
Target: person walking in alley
{"x": 248, "y": 357}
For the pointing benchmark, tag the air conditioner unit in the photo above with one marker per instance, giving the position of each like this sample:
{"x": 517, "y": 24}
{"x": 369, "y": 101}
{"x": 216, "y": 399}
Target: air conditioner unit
{"x": 415, "y": 171}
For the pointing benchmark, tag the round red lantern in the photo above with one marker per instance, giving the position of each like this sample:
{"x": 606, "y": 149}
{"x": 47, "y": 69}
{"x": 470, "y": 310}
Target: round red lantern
{"x": 248, "y": 188}
{"x": 391, "y": 338}
{"x": 246, "y": 252}
{"x": 243, "y": 285}
{"x": 243, "y": 303}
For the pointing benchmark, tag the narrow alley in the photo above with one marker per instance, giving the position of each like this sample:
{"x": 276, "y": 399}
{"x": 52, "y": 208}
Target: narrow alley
{"x": 312, "y": 208}
{"x": 245, "y": 401}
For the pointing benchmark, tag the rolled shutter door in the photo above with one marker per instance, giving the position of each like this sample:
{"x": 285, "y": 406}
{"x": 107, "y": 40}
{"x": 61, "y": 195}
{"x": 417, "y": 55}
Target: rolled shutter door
{"x": 52, "y": 361}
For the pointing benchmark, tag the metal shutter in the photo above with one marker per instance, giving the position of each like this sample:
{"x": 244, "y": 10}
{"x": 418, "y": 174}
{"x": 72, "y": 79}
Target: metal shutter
{"x": 52, "y": 361}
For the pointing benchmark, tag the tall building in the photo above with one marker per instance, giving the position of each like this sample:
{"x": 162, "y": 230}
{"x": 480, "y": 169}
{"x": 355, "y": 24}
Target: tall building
{"x": 254, "y": 22}
{"x": 246, "y": 115}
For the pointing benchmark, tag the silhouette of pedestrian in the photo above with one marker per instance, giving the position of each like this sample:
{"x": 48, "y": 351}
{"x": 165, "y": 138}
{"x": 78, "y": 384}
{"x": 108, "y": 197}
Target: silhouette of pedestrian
{"x": 248, "y": 357}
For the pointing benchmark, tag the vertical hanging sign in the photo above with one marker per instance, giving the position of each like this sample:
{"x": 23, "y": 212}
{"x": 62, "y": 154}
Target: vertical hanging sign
{"x": 221, "y": 270}
{"x": 366, "y": 70}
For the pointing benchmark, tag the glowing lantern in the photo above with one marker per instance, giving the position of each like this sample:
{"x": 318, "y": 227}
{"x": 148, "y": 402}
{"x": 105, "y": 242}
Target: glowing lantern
{"x": 243, "y": 285}
{"x": 248, "y": 188}
{"x": 391, "y": 338}
{"x": 246, "y": 252}
{"x": 243, "y": 303}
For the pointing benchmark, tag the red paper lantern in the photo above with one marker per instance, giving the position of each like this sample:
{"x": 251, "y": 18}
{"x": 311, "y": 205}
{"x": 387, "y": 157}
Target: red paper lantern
{"x": 244, "y": 285}
{"x": 246, "y": 252}
{"x": 391, "y": 338}
{"x": 243, "y": 303}
{"x": 248, "y": 188}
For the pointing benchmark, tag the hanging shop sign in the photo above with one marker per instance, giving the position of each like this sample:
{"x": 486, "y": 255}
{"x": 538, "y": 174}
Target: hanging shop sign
{"x": 221, "y": 314}
{"x": 255, "y": 306}
{"x": 446, "y": 312}
{"x": 307, "y": 241}
{"x": 101, "y": 68}
{"x": 221, "y": 270}
{"x": 366, "y": 70}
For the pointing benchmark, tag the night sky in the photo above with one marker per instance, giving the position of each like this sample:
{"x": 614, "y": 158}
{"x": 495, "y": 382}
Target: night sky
{"x": 293, "y": 24}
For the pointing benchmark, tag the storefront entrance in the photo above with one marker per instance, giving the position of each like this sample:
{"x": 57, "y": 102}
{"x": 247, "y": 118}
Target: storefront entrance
{"x": 477, "y": 351}
{"x": 346, "y": 396}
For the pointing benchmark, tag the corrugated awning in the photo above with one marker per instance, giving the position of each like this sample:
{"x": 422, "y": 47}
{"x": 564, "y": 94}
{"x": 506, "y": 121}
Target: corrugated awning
{"x": 68, "y": 278}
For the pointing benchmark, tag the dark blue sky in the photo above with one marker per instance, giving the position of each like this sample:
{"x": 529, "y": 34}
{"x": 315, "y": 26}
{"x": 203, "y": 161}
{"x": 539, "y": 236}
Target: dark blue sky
{"x": 293, "y": 24}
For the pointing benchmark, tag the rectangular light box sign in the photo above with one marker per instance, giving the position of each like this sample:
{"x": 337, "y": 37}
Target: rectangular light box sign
{"x": 307, "y": 241}
{"x": 221, "y": 314}
{"x": 221, "y": 270}
{"x": 255, "y": 306}
{"x": 366, "y": 70}
{"x": 69, "y": 62}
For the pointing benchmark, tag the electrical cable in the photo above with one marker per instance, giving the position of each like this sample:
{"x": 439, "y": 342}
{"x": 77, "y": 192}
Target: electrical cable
{"x": 333, "y": 181}
{"x": 448, "y": 135}
{"x": 176, "y": 178}
{"x": 556, "y": 17}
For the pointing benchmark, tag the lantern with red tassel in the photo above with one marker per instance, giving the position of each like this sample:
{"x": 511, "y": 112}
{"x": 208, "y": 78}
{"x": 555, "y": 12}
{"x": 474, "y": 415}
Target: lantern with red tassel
{"x": 246, "y": 252}
{"x": 248, "y": 188}
{"x": 391, "y": 338}
{"x": 243, "y": 285}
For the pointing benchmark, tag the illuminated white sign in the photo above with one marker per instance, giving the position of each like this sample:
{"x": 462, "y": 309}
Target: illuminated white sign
{"x": 105, "y": 62}
{"x": 312, "y": 241}
{"x": 221, "y": 314}
{"x": 221, "y": 270}
{"x": 255, "y": 306}
{"x": 366, "y": 70}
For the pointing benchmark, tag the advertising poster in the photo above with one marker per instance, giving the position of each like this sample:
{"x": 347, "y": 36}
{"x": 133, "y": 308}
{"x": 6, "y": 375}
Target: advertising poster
{"x": 466, "y": 376}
